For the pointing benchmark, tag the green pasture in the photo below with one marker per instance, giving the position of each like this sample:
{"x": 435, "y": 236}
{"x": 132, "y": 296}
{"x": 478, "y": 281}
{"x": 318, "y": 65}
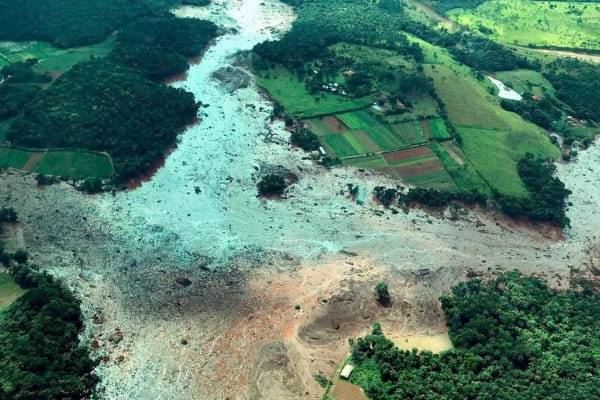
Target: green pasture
{"x": 318, "y": 127}
{"x": 467, "y": 102}
{"x": 9, "y": 290}
{"x": 13, "y": 158}
{"x": 537, "y": 23}
{"x": 437, "y": 126}
{"x": 495, "y": 154}
{"x": 440, "y": 180}
{"x": 339, "y": 145}
{"x": 51, "y": 59}
{"x": 75, "y": 164}
{"x": 585, "y": 132}
{"x": 464, "y": 175}
{"x": 65, "y": 163}
{"x": 422, "y": 108}
{"x": 358, "y": 119}
{"x": 369, "y": 55}
{"x": 292, "y": 95}
{"x": 525, "y": 80}
{"x": 372, "y": 162}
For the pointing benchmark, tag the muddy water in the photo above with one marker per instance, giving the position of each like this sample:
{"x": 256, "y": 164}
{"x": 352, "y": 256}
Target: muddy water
{"x": 205, "y": 195}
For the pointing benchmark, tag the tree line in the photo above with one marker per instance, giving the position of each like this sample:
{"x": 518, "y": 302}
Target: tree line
{"x": 514, "y": 338}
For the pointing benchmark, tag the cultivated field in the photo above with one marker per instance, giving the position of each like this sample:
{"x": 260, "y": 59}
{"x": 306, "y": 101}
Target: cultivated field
{"x": 537, "y": 23}
{"x": 65, "y": 163}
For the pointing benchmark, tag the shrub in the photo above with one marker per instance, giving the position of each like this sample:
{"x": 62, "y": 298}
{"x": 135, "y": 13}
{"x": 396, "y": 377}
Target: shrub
{"x": 271, "y": 185}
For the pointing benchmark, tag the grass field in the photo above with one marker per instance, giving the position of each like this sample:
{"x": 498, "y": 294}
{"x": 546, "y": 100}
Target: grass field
{"x": 538, "y": 23}
{"x": 438, "y": 130}
{"x": 372, "y": 162}
{"x": 292, "y": 95}
{"x": 525, "y": 80}
{"x": 51, "y": 58}
{"x": 495, "y": 155}
{"x": 65, "y": 163}
{"x": 9, "y": 290}
{"x": 467, "y": 102}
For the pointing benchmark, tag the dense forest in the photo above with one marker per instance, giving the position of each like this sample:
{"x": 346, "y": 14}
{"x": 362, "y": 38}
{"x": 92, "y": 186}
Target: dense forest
{"x": 320, "y": 24}
{"x": 160, "y": 46}
{"x": 514, "y": 338}
{"x": 577, "y": 83}
{"x": 104, "y": 106}
{"x": 40, "y": 355}
{"x": 72, "y": 23}
{"x": 110, "y": 104}
{"x": 548, "y": 195}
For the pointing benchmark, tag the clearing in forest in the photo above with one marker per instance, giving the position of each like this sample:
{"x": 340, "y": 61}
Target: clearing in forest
{"x": 65, "y": 163}
{"x": 9, "y": 290}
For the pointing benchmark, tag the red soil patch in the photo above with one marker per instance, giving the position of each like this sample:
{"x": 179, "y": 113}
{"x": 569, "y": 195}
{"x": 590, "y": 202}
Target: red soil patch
{"x": 176, "y": 78}
{"x": 407, "y": 154}
{"x": 422, "y": 168}
{"x": 33, "y": 160}
{"x": 334, "y": 124}
{"x": 289, "y": 330}
{"x": 426, "y": 130}
{"x": 343, "y": 390}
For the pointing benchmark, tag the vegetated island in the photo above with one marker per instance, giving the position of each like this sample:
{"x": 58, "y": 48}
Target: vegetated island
{"x": 110, "y": 114}
{"x": 40, "y": 322}
{"x": 513, "y": 338}
{"x": 380, "y": 85}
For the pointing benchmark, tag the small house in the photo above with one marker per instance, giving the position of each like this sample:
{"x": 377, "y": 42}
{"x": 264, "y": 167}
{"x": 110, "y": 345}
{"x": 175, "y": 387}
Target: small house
{"x": 346, "y": 371}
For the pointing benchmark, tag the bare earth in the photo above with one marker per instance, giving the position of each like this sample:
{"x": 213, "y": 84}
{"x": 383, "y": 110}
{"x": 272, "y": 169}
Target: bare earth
{"x": 204, "y": 287}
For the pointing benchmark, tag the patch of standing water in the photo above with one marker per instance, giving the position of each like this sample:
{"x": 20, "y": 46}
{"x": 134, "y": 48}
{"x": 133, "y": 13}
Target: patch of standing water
{"x": 504, "y": 91}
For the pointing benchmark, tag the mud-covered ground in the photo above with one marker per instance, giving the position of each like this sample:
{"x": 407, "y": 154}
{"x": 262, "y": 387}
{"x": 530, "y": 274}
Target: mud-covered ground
{"x": 218, "y": 294}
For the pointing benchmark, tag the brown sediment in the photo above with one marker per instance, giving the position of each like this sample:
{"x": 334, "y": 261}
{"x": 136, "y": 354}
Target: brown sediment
{"x": 175, "y": 78}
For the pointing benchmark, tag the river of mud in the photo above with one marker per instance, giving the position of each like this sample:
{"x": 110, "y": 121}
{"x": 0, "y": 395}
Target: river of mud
{"x": 219, "y": 294}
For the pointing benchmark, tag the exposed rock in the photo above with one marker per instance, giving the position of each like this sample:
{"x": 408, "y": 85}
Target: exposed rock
{"x": 183, "y": 282}
{"x": 232, "y": 78}
{"x": 116, "y": 337}
{"x": 98, "y": 319}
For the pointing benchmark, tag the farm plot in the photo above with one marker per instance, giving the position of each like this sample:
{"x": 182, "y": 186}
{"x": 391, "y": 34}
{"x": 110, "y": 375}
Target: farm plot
{"x": 326, "y": 125}
{"x": 437, "y": 129}
{"x": 410, "y": 132}
{"x": 440, "y": 180}
{"x": 343, "y": 390}
{"x": 367, "y": 162}
{"x": 350, "y": 144}
{"x": 383, "y": 137}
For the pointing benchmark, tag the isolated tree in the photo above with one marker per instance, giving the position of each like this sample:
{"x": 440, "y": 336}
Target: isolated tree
{"x": 383, "y": 295}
